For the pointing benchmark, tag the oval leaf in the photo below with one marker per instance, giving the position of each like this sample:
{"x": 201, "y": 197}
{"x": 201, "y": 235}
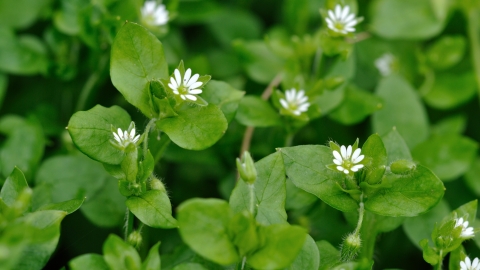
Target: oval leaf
{"x": 153, "y": 208}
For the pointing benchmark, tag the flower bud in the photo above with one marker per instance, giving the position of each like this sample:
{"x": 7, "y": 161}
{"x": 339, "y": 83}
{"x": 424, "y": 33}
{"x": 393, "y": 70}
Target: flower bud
{"x": 156, "y": 184}
{"x": 246, "y": 168}
{"x": 350, "y": 247}
{"x": 135, "y": 239}
{"x": 402, "y": 166}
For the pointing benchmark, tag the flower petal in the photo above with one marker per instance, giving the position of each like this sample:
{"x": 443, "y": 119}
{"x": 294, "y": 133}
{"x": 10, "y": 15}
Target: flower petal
{"x": 191, "y": 97}
{"x": 284, "y": 103}
{"x": 343, "y": 151}
{"x": 195, "y": 85}
{"x": 349, "y": 151}
{"x": 187, "y": 75}
{"x": 345, "y": 12}
{"x": 178, "y": 77}
{"x": 356, "y": 153}
{"x": 358, "y": 159}
{"x": 338, "y": 162}
{"x": 357, "y": 167}
{"x": 331, "y": 15}
{"x": 192, "y": 80}
{"x": 340, "y": 168}
{"x": 337, "y": 155}
{"x": 116, "y": 137}
{"x": 195, "y": 91}
{"x": 338, "y": 12}
{"x": 120, "y": 133}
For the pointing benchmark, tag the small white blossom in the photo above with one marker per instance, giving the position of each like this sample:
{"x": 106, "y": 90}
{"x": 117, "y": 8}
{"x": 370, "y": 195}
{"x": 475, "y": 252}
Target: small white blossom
{"x": 124, "y": 137}
{"x": 186, "y": 88}
{"x": 467, "y": 232}
{"x": 346, "y": 161}
{"x": 467, "y": 264}
{"x": 153, "y": 14}
{"x": 384, "y": 64}
{"x": 295, "y": 102}
{"x": 341, "y": 20}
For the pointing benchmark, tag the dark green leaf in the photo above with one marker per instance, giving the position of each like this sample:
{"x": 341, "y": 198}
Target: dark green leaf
{"x": 13, "y": 186}
{"x": 446, "y": 51}
{"x": 203, "y": 225}
{"x": 306, "y": 166}
{"x": 88, "y": 261}
{"x": 451, "y": 90}
{"x": 472, "y": 177}
{"x": 91, "y": 132}
{"x": 120, "y": 255}
{"x": 374, "y": 150}
{"x": 21, "y": 14}
{"x": 195, "y": 128}
{"x": 153, "y": 208}
{"x": 270, "y": 191}
{"x": 256, "y": 112}
{"x": 396, "y": 147}
{"x": 152, "y": 262}
{"x": 67, "y": 206}
{"x": 447, "y": 156}
{"x": 453, "y": 125}
{"x": 189, "y": 266}
{"x": 224, "y": 96}
{"x": 330, "y": 256}
{"x": 137, "y": 57}
{"x": 400, "y": 103}
{"x": 308, "y": 258}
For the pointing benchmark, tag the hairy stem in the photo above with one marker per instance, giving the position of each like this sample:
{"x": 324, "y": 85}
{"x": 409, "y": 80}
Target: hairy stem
{"x": 128, "y": 223}
{"x": 145, "y": 138}
{"x": 251, "y": 189}
{"x": 361, "y": 213}
{"x": 438, "y": 266}
{"x": 247, "y": 136}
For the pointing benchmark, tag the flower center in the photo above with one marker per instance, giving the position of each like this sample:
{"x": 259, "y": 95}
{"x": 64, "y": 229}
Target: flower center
{"x": 182, "y": 89}
{"x": 339, "y": 25}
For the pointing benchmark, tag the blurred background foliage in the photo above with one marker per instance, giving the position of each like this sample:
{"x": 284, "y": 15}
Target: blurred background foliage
{"x": 54, "y": 61}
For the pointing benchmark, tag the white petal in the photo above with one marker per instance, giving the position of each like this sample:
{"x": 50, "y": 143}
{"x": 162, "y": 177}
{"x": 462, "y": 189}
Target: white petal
{"x": 465, "y": 224}
{"x": 116, "y": 137}
{"x": 356, "y": 153}
{"x": 357, "y": 167}
{"x": 337, "y": 155}
{"x": 178, "y": 77}
{"x": 343, "y": 151}
{"x": 187, "y": 75}
{"x": 331, "y": 15}
{"x": 120, "y": 133}
{"x": 136, "y": 139}
{"x": 195, "y": 91}
{"x": 132, "y": 133}
{"x": 300, "y": 94}
{"x": 297, "y": 112}
{"x": 284, "y": 103}
{"x": 345, "y": 12}
{"x": 173, "y": 83}
{"x": 346, "y": 171}
{"x": 358, "y": 159}
{"x": 290, "y": 95}
{"x": 349, "y": 18}
{"x": 350, "y": 24}
{"x": 303, "y": 107}
{"x": 149, "y": 6}
{"x": 476, "y": 263}
{"x": 468, "y": 262}
{"x": 329, "y": 23}
{"x": 463, "y": 265}
{"x": 191, "y": 97}
{"x": 183, "y": 97}
{"x": 349, "y": 151}
{"x": 302, "y": 100}
{"x": 340, "y": 168}
{"x": 175, "y": 91}
{"x": 338, "y": 162}
{"x": 125, "y": 135}
{"x": 193, "y": 80}
{"x": 338, "y": 12}
{"x": 195, "y": 85}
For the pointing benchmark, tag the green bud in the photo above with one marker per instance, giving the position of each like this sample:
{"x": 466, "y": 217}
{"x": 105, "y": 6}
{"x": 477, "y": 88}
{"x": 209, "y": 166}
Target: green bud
{"x": 246, "y": 168}
{"x": 350, "y": 247}
{"x": 156, "y": 184}
{"x": 135, "y": 239}
{"x": 440, "y": 242}
{"x": 402, "y": 166}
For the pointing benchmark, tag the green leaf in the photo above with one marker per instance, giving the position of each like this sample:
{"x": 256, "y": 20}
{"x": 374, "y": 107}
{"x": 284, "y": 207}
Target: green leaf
{"x": 67, "y": 206}
{"x": 446, "y": 52}
{"x": 23, "y": 55}
{"x": 107, "y": 207}
{"x": 224, "y": 96}
{"x": 447, "y": 156}
{"x": 306, "y": 166}
{"x": 453, "y": 125}
{"x": 88, "y": 261}
{"x": 23, "y": 147}
{"x": 429, "y": 254}
{"x": 45, "y": 241}
{"x": 451, "y": 90}
{"x": 195, "y": 128}
{"x": 137, "y": 57}
{"x": 78, "y": 177}
{"x": 91, "y": 132}
{"x": 243, "y": 230}
{"x": 396, "y": 147}
{"x": 153, "y": 208}
{"x": 203, "y": 225}
{"x": 456, "y": 256}
{"x": 472, "y": 177}
{"x": 189, "y": 266}
{"x": 270, "y": 192}
{"x": 21, "y": 14}
{"x": 418, "y": 228}
{"x": 256, "y": 112}
{"x": 3, "y": 87}
{"x": 297, "y": 198}
{"x": 120, "y": 255}
{"x": 407, "y": 19}
{"x": 374, "y": 150}
{"x": 356, "y": 106}
{"x": 282, "y": 244}
{"x": 400, "y": 103}
{"x": 152, "y": 262}
{"x": 405, "y": 195}
{"x": 330, "y": 255}
{"x": 309, "y": 256}
{"x": 13, "y": 186}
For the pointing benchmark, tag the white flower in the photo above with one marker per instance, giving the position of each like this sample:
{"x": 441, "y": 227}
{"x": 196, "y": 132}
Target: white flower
{"x": 469, "y": 265}
{"x": 295, "y": 102}
{"x": 153, "y": 14}
{"x": 124, "y": 137}
{"x": 467, "y": 232}
{"x": 346, "y": 161}
{"x": 384, "y": 64}
{"x": 186, "y": 88}
{"x": 340, "y": 20}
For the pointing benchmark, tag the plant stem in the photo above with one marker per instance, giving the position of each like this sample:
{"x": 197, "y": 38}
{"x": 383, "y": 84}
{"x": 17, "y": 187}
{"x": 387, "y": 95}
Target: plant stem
{"x": 251, "y": 189}
{"x": 92, "y": 81}
{"x": 145, "y": 138}
{"x": 128, "y": 223}
{"x": 244, "y": 260}
{"x": 361, "y": 213}
{"x": 289, "y": 139}
{"x": 474, "y": 37}
{"x": 247, "y": 136}
{"x": 438, "y": 266}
